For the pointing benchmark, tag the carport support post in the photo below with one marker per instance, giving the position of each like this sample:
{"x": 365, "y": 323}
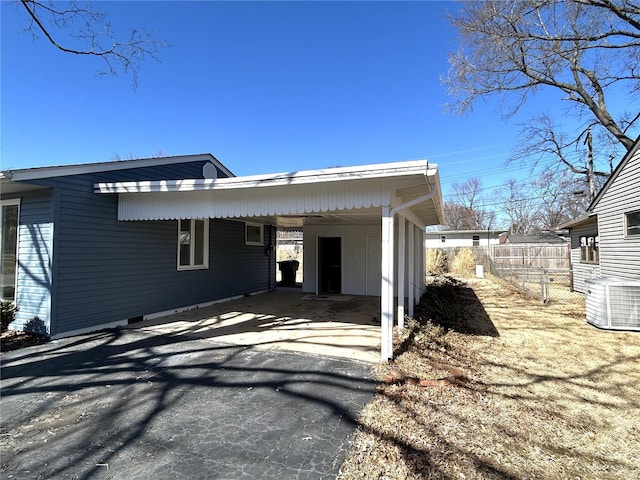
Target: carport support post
{"x": 401, "y": 259}
{"x": 386, "y": 290}
{"x": 411, "y": 265}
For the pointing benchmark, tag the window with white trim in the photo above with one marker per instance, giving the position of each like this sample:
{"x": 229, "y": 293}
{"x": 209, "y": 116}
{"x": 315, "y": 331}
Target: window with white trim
{"x": 443, "y": 239}
{"x": 632, "y": 223}
{"x": 9, "y": 248}
{"x": 476, "y": 240}
{"x": 590, "y": 249}
{"x": 193, "y": 244}
{"x": 253, "y": 234}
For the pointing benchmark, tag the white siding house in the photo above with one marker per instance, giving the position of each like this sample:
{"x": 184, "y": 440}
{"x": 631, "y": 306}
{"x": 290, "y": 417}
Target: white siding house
{"x": 617, "y": 207}
{"x": 461, "y": 238}
{"x": 585, "y": 251}
{"x": 606, "y": 241}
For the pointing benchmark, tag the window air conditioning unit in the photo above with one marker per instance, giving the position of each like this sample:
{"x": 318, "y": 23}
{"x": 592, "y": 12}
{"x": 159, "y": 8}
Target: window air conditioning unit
{"x": 613, "y": 303}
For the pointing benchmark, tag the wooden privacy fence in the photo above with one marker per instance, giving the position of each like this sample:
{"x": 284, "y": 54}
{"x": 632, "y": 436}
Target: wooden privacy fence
{"x": 540, "y": 269}
{"x": 549, "y": 257}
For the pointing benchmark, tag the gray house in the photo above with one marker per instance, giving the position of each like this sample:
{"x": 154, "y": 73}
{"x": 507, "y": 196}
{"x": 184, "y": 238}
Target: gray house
{"x": 78, "y": 267}
{"x": 585, "y": 250}
{"x": 92, "y": 246}
{"x": 606, "y": 241}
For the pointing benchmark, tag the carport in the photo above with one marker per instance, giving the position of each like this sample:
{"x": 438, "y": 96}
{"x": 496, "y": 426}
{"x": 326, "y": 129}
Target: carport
{"x": 345, "y": 326}
{"x": 397, "y": 200}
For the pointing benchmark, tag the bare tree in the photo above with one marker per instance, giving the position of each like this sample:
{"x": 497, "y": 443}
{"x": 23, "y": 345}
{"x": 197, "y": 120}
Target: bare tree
{"x": 466, "y": 210}
{"x": 585, "y": 50}
{"x": 518, "y": 201}
{"x": 88, "y": 32}
{"x": 560, "y": 196}
{"x": 542, "y": 139}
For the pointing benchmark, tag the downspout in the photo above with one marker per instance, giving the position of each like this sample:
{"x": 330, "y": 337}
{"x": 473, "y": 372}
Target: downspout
{"x": 387, "y": 303}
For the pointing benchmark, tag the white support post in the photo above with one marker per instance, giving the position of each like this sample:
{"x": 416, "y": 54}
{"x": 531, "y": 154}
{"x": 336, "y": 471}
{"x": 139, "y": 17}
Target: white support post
{"x": 386, "y": 290}
{"x": 400, "y": 277}
{"x": 411, "y": 275}
{"x": 420, "y": 283}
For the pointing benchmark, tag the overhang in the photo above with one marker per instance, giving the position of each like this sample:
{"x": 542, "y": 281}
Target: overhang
{"x": 333, "y": 195}
{"x": 579, "y": 222}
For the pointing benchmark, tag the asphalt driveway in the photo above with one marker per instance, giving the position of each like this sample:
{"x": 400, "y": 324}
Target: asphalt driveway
{"x": 130, "y": 404}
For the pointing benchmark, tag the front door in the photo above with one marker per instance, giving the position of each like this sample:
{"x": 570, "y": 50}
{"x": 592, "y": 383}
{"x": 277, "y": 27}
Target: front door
{"x": 329, "y": 265}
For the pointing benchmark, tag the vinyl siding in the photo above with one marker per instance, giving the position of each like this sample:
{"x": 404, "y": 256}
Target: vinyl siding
{"x": 620, "y": 255}
{"x": 35, "y": 235}
{"x": 107, "y": 271}
{"x": 582, "y": 271}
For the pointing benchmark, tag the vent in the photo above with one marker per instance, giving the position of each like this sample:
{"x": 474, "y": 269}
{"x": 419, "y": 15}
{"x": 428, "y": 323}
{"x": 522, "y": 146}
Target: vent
{"x": 209, "y": 171}
{"x": 613, "y": 303}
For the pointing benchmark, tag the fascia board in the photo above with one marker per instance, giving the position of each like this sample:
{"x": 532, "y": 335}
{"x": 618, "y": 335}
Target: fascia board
{"x": 79, "y": 169}
{"x": 381, "y": 171}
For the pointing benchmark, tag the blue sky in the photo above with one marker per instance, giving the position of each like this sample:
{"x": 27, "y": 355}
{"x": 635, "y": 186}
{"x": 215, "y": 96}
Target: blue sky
{"x": 264, "y": 86}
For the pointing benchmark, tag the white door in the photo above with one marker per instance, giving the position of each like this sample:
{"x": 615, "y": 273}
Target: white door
{"x": 374, "y": 264}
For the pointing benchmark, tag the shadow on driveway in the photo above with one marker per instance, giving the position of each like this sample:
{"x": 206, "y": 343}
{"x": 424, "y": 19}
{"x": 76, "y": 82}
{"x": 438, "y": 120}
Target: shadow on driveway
{"x": 130, "y": 404}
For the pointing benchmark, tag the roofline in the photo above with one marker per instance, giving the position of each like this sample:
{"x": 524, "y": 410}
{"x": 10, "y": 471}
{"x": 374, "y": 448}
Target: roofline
{"x": 277, "y": 179}
{"x": 84, "y": 168}
{"x": 615, "y": 173}
{"x": 578, "y": 221}
{"x": 444, "y": 232}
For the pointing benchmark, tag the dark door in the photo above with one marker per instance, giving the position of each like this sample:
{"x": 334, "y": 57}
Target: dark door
{"x": 330, "y": 264}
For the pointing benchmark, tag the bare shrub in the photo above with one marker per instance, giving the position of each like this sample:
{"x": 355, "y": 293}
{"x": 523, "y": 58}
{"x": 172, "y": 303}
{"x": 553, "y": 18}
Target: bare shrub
{"x": 464, "y": 263}
{"x": 436, "y": 261}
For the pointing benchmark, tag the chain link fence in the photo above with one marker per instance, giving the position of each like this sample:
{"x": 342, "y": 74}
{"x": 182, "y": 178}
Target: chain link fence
{"x": 550, "y": 285}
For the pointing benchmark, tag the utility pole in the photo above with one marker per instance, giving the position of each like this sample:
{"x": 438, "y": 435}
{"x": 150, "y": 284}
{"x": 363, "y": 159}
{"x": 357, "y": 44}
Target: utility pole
{"x": 590, "y": 177}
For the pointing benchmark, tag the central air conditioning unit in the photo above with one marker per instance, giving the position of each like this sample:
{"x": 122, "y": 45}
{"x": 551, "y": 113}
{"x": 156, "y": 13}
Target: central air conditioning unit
{"x": 613, "y": 303}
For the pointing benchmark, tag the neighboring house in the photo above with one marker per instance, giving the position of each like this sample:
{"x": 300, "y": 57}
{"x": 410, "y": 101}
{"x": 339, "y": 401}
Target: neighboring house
{"x": 461, "y": 238}
{"x": 91, "y": 246}
{"x": 545, "y": 238}
{"x": 585, "y": 250}
{"x": 606, "y": 241}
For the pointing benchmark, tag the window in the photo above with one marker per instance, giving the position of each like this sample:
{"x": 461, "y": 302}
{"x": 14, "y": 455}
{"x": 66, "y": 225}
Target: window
{"x": 253, "y": 234}
{"x": 193, "y": 244}
{"x": 443, "y": 239}
{"x": 476, "y": 240}
{"x": 632, "y": 223}
{"x": 590, "y": 249}
{"x": 9, "y": 249}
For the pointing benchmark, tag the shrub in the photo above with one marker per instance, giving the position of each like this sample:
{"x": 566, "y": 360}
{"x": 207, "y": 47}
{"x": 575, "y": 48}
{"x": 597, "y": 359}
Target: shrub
{"x": 436, "y": 261}
{"x": 37, "y": 326}
{"x": 464, "y": 264}
{"x": 9, "y": 310}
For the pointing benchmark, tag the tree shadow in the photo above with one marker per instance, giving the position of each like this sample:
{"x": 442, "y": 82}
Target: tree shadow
{"x": 124, "y": 400}
{"x": 453, "y": 305}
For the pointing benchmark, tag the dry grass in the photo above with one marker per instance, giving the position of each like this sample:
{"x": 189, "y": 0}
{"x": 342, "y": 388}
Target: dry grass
{"x": 464, "y": 263}
{"x": 436, "y": 260}
{"x": 545, "y": 395}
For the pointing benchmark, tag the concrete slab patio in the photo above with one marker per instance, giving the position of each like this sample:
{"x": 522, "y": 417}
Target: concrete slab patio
{"x": 137, "y": 403}
{"x": 345, "y": 326}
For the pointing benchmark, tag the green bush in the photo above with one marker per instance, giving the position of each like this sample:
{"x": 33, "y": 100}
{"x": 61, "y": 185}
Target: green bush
{"x": 9, "y": 310}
